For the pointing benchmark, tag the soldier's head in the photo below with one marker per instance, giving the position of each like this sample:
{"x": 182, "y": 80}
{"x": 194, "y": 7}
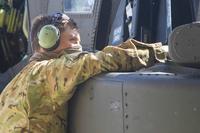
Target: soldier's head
{"x": 54, "y": 33}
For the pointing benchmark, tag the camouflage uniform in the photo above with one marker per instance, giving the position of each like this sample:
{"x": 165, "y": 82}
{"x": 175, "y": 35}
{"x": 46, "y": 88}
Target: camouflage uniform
{"x": 35, "y": 101}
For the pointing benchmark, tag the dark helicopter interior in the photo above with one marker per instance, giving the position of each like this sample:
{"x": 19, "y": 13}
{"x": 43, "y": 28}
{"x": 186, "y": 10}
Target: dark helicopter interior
{"x": 147, "y": 21}
{"x": 13, "y": 41}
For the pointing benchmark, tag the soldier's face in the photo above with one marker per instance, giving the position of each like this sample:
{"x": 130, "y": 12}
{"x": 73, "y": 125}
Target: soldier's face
{"x": 68, "y": 39}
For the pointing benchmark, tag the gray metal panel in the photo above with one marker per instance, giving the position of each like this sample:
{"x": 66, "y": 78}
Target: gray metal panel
{"x": 161, "y": 103}
{"x": 55, "y": 6}
{"x": 37, "y": 7}
{"x": 174, "y": 68}
{"x": 152, "y": 102}
{"x": 97, "y": 108}
{"x": 184, "y": 44}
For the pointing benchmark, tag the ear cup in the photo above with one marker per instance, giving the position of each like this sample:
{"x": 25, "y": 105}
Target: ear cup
{"x": 48, "y": 37}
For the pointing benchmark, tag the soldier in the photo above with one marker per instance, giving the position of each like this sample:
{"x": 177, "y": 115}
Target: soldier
{"x": 36, "y": 99}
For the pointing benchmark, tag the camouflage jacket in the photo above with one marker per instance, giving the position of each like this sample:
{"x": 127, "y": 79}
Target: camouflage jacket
{"x": 35, "y": 101}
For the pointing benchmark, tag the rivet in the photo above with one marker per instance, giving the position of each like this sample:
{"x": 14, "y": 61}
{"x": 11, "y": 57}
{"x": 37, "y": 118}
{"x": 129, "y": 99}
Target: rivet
{"x": 126, "y": 116}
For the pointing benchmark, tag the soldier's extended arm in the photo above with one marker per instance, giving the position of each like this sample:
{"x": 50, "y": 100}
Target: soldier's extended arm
{"x": 129, "y": 56}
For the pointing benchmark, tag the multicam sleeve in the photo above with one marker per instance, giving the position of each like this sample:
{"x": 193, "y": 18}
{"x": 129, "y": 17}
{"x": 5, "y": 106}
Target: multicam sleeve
{"x": 131, "y": 55}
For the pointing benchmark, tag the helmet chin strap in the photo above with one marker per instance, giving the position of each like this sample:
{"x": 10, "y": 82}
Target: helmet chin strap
{"x": 77, "y": 47}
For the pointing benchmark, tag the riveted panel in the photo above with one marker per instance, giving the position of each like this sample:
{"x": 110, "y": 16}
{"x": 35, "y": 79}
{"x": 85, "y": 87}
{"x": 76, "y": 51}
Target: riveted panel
{"x": 161, "y": 103}
{"x": 97, "y": 107}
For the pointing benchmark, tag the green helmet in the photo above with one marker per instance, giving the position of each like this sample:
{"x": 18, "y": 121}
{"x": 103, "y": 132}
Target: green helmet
{"x": 48, "y": 36}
